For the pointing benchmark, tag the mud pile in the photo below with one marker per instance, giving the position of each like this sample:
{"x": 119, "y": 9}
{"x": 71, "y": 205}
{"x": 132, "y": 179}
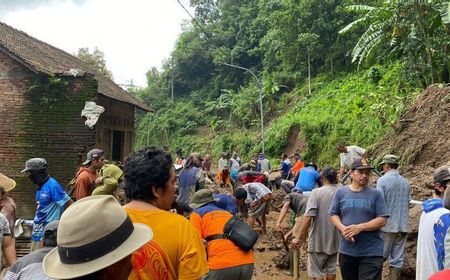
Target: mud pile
{"x": 421, "y": 139}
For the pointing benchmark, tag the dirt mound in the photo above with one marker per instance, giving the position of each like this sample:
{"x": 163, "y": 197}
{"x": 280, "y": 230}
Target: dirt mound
{"x": 296, "y": 143}
{"x": 420, "y": 139}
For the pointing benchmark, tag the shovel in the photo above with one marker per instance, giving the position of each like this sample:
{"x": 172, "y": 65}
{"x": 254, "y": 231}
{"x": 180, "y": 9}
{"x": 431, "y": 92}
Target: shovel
{"x": 293, "y": 257}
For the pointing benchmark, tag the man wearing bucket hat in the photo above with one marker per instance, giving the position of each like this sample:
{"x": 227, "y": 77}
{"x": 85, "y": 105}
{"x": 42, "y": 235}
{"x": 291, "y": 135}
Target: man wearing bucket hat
{"x": 95, "y": 241}
{"x": 50, "y": 198}
{"x": 7, "y": 204}
{"x": 396, "y": 191}
{"x": 88, "y": 173}
{"x": 225, "y": 259}
{"x": 359, "y": 212}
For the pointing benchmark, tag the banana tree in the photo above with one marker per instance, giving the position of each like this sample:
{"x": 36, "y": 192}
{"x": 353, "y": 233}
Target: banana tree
{"x": 402, "y": 28}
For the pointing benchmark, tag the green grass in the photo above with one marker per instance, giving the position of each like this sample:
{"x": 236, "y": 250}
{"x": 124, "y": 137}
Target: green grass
{"x": 355, "y": 109}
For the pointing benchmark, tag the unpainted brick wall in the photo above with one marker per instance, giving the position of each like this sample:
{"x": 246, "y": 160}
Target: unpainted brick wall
{"x": 36, "y": 126}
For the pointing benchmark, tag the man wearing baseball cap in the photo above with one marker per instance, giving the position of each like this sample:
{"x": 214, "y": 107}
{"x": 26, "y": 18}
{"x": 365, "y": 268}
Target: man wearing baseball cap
{"x": 88, "y": 174}
{"x": 396, "y": 191}
{"x": 50, "y": 198}
{"x": 359, "y": 212}
{"x": 95, "y": 241}
{"x": 433, "y": 225}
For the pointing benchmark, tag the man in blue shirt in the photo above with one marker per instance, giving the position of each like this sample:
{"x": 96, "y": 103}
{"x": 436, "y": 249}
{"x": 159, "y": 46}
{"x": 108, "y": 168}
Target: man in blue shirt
{"x": 396, "y": 191}
{"x": 308, "y": 177}
{"x": 285, "y": 166}
{"x": 359, "y": 212}
{"x": 226, "y": 202}
{"x": 50, "y": 198}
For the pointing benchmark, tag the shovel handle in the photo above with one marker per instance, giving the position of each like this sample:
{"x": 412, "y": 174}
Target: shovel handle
{"x": 295, "y": 263}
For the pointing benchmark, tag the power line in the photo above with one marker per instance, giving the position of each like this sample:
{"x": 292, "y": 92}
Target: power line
{"x": 258, "y": 82}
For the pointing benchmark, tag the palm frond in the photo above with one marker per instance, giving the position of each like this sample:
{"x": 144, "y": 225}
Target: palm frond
{"x": 351, "y": 25}
{"x": 371, "y": 33}
{"x": 359, "y": 8}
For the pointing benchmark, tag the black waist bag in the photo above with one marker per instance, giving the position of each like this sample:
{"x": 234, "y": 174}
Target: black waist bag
{"x": 240, "y": 233}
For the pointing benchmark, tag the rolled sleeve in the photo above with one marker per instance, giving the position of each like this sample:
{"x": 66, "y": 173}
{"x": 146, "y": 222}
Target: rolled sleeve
{"x": 312, "y": 206}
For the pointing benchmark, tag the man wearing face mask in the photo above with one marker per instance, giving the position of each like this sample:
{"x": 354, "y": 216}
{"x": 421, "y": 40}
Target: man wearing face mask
{"x": 50, "y": 198}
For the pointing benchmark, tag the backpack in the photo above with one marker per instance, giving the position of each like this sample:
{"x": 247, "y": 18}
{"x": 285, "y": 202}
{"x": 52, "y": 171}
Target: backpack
{"x": 241, "y": 234}
{"x": 70, "y": 187}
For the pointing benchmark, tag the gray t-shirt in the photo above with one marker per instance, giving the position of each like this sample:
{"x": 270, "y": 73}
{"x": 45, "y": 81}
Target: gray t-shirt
{"x": 297, "y": 203}
{"x": 355, "y": 208}
{"x": 323, "y": 235}
{"x": 4, "y": 231}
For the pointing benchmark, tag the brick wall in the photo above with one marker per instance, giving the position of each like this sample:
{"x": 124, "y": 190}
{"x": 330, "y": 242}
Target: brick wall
{"x": 39, "y": 121}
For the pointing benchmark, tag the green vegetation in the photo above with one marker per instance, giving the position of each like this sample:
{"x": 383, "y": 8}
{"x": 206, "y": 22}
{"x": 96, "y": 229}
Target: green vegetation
{"x": 302, "y": 51}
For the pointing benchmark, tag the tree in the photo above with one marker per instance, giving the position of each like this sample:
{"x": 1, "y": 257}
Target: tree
{"x": 413, "y": 30}
{"x": 96, "y": 60}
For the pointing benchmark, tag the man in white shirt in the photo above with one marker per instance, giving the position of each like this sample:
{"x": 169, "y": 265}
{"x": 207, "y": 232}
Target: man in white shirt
{"x": 433, "y": 225}
{"x": 348, "y": 154}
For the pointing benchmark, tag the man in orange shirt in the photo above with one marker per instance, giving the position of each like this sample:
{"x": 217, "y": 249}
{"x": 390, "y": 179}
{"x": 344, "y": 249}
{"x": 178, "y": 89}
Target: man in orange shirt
{"x": 89, "y": 173}
{"x": 299, "y": 164}
{"x": 176, "y": 251}
{"x": 225, "y": 259}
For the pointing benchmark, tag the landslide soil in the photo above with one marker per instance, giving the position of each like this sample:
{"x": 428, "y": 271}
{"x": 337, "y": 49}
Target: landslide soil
{"x": 420, "y": 138}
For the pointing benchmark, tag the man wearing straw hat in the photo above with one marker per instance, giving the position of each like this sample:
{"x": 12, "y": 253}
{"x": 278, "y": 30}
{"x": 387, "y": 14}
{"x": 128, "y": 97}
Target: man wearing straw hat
{"x": 95, "y": 241}
{"x": 7, "y": 204}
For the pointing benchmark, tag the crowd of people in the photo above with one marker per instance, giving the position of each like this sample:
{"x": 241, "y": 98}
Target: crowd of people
{"x": 158, "y": 218}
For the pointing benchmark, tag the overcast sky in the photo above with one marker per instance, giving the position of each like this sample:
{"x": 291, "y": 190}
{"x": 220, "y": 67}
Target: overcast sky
{"x": 135, "y": 35}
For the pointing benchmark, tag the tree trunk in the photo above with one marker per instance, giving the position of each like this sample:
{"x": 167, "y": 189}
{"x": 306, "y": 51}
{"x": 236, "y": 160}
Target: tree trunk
{"x": 309, "y": 74}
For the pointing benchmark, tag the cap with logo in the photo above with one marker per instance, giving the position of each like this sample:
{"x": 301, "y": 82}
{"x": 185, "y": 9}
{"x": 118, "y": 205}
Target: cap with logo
{"x": 360, "y": 163}
{"x": 441, "y": 174}
{"x": 35, "y": 164}
{"x": 393, "y": 159}
{"x": 93, "y": 154}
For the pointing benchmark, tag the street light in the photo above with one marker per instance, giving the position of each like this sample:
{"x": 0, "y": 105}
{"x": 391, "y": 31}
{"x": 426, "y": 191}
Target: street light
{"x": 258, "y": 82}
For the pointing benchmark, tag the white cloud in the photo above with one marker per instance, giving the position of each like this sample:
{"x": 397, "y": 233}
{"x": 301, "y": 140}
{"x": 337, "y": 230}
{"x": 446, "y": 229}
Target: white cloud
{"x": 135, "y": 35}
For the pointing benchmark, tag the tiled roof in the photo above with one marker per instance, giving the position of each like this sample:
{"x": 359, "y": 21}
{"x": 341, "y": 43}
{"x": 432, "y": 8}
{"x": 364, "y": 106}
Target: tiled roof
{"x": 44, "y": 58}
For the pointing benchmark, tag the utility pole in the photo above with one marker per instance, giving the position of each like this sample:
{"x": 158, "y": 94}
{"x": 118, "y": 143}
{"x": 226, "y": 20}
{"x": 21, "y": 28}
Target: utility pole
{"x": 261, "y": 111}
{"x": 309, "y": 74}
{"x": 258, "y": 82}
{"x": 171, "y": 87}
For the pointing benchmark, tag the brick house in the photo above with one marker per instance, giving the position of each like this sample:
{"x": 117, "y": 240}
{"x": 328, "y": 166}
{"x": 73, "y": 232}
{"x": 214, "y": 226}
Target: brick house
{"x": 42, "y": 93}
